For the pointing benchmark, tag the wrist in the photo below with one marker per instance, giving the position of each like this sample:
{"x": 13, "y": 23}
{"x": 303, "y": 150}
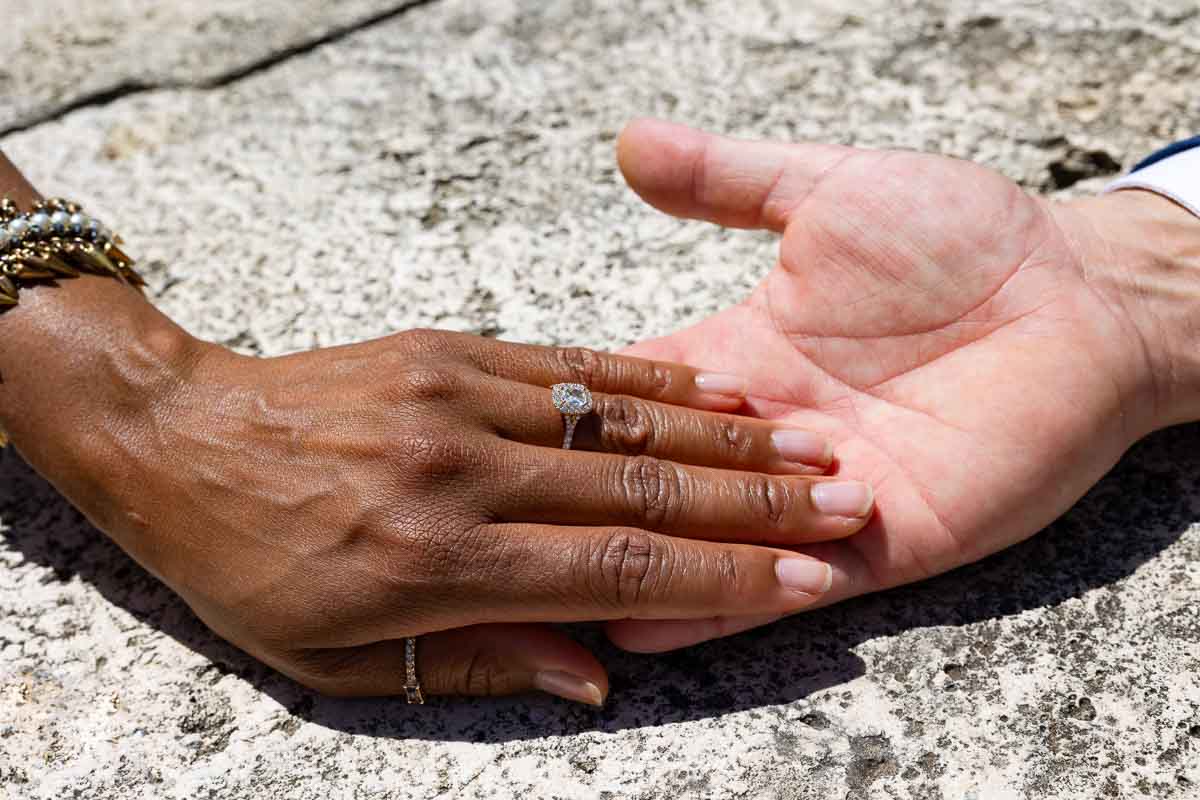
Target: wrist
{"x": 1142, "y": 251}
{"x": 87, "y": 368}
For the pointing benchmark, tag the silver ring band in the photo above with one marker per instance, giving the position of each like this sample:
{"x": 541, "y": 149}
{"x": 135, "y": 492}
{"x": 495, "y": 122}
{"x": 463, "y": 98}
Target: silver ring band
{"x": 573, "y": 401}
{"x": 569, "y": 423}
{"x": 412, "y": 686}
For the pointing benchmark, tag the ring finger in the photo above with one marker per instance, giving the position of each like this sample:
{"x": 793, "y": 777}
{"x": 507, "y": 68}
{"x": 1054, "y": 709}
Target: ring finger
{"x": 634, "y": 426}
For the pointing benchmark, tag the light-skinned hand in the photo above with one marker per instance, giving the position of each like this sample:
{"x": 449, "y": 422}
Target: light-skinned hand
{"x": 979, "y": 355}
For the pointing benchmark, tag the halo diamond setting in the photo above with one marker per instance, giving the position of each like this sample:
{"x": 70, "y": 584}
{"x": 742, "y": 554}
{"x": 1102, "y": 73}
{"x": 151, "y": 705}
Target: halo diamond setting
{"x": 572, "y": 399}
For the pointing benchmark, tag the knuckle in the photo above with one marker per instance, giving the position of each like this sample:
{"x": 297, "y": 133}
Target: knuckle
{"x": 733, "y": 439}
{"x": 656, "y": 490}
{"x": 659, "y": 379}
{"x": 769, "y": 499}
{"x": 431, "y": 381}
{"x": 582, "y": 364}
{"x": 483, "y": 675}
{"x": 627, "y": 425}
{"x": 726, "y": 569}
{"x": 633, "y": 567}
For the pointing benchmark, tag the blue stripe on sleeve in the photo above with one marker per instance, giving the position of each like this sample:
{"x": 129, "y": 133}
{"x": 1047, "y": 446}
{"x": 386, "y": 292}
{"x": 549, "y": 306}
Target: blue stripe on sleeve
{"x": 1167, "y": 152}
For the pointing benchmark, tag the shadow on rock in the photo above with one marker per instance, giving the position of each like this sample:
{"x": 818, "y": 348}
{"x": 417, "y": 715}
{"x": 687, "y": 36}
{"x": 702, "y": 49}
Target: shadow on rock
{"x": 1135, "y": 512}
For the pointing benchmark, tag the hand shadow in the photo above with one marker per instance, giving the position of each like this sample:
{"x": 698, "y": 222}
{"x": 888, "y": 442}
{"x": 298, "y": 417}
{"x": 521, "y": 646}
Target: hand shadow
{"x": 1143, "y": 506}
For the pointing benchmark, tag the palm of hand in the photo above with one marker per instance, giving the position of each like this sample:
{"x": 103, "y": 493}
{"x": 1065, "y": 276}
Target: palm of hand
{"x": 937, "y": 322}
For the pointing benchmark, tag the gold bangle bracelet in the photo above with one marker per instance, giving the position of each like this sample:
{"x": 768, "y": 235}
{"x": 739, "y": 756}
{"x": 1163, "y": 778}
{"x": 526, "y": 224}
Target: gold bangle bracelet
{"x": 53, "y": 241}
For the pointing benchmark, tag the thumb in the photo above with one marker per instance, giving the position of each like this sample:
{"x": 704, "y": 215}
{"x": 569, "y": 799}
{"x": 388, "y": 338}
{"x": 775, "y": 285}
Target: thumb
{"x": 735, "y": 183}
{"x": 480, "y": 660}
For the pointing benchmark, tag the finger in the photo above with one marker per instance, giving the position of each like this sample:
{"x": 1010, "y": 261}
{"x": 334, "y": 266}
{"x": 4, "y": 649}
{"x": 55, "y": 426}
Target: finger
{"x": 634, "y": 426}
{"x": 480, "y": 660}
{"x": 738, "y": 184}
{"x": 569, "y": 487}
{"x": 852, "y": 577}
{"x": 543, "y": 573}
{"x": 677, "y": 384}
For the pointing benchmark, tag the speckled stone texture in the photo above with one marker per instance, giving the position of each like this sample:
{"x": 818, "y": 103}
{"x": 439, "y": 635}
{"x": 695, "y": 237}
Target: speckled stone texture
{"x": 452, "y": 165}
{"x": 66, "y": 53}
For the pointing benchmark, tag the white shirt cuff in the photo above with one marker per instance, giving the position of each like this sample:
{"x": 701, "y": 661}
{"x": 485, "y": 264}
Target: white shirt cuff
{"x": 1176, "y": 177}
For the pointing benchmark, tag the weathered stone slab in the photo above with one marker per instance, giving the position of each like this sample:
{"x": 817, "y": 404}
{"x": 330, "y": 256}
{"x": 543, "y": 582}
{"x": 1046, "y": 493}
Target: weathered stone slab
{"x": 57, "y": 53}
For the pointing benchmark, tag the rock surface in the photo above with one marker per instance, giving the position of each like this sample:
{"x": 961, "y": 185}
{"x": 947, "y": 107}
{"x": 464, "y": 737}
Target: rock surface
{"x": 66, "y": 53}
{"x": 452, "y": 165}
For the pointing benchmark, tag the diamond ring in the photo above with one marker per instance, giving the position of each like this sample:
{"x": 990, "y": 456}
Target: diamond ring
{"x": 573, "y": 400}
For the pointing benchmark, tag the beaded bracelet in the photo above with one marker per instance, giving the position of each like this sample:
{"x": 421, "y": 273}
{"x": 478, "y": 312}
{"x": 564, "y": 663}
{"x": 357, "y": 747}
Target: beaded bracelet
{"x": 56, "y": 240}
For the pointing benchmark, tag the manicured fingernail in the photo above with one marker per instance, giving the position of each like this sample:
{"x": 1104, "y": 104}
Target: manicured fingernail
{"x": 569, "y": 687}
{"x": 716, "y": 383}
{"x": 843, "y": 498}
{"x": 802, "y": 447}
{"x": 804, "y": 575}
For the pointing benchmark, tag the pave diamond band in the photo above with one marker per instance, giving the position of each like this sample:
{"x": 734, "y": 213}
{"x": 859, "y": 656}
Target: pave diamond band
{"x": 573, "y": 400}
{"x": 412, "y": 686}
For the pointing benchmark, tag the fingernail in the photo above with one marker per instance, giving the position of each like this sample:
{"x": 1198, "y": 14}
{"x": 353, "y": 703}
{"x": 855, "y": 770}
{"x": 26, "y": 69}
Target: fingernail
{"x": 716, "y": 383}
{"x": 843, "y": 499}
{"x": 568, "y": 687}
{"x": 802, "y": 447}
{"x": 804, "y": 575}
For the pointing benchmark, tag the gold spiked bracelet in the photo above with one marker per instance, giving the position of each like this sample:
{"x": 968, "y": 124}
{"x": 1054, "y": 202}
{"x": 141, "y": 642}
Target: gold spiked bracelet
{"x": 56, "y": 240}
